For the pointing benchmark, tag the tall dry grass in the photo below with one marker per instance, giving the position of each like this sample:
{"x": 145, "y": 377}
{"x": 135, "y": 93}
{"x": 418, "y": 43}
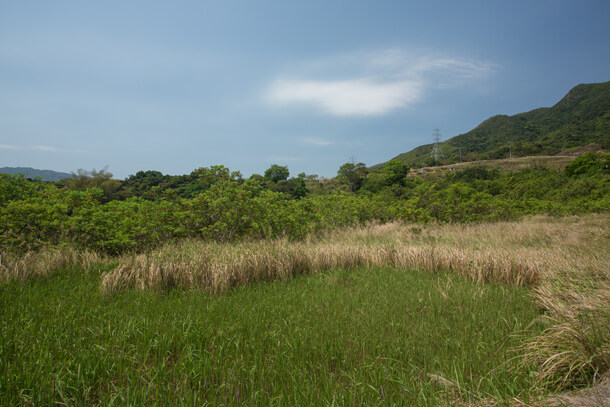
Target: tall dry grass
{"x": 574, "y": 349}
{"x": 216, "y": 268}
{"x": 565, "y": 260}
{"x": 520, "y": 253}
{"x": 42, "y": 263}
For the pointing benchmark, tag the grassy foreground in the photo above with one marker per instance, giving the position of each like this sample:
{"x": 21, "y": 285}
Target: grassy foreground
{"x": 389, "y": 314}
{"x": 369, "y": 336}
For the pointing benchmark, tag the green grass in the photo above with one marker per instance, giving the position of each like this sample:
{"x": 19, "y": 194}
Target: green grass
{"x": 359, "y": 337}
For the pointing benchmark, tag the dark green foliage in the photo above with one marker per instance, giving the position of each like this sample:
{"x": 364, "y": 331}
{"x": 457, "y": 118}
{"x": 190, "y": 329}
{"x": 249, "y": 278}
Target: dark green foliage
{"x": 102, "y": 179}
{"x": 299, "y": 190}
{"x": 293, "y": 187}
{"x": 225, "y": 207}
{"x": 207, "y": 177}
{"x": 353, "y": 175}
{"x": 395, "y": 172}
{"x": 152, "y": 185}
{"x": 475, "y": 173}
{"x": 277, "y": 173}
{"x": 35, "y": 215}
{"x": 588, "y": 164}
{"x": 15, "y": 187}
{"x": 145, "y": 183}
{"x": 581, "y": 118}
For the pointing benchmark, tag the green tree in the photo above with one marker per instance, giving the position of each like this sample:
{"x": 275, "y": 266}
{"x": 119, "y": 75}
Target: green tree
{"x": 375, "y": 181}
{"x": 395, "y": 172}
{"x": 298, "y": 188}
{"x": 207, "y": 177}
{"x": 277, "y": 173}
{"x": 102, "y": 179}
{"x": 587, "y": 164}
{"x": 353, "y": 174}
{"x": 142, "y": 183}
{"x": 431, "y": 162}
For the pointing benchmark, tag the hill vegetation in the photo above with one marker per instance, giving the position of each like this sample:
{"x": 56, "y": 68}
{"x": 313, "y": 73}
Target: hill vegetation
{"x": 28, "y": 172}
{"x": 581, "y": 118}
{"x": 97, "y": 213}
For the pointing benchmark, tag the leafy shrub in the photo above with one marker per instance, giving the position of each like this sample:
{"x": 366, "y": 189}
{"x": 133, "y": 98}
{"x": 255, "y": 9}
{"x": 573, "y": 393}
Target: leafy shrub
{"x": 35, "y": 215}
{"x": 587, "y": 164}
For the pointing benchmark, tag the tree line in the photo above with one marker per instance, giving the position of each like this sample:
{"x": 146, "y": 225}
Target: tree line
{"x": 93, "y": 211}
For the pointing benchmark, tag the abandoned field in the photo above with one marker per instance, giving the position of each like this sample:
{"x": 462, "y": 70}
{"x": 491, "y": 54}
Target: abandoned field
{"x": 383, "y": 314}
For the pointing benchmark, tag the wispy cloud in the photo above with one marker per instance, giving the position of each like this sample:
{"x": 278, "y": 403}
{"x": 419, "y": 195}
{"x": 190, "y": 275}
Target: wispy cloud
{"x": 281, "y": 159}
{"x": 317, "y": 141}
{"x": 48, "y": 149}
{"x": 387, "y": 81}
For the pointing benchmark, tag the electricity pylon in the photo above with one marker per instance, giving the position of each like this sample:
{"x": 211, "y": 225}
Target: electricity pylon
{"x": 436, "y": 149}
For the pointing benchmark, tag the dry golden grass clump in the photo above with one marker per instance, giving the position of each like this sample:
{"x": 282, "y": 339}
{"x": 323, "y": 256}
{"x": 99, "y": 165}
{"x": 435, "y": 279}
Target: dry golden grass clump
{"x": 575, "y": 346}
{"x": 521, "y": 253}
{"x": 210, "y": 266}
{"x": 216, "y": 268}
{"x": 44, "y": 262}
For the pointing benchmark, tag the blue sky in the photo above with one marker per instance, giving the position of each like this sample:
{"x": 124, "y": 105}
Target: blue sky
{"x": 173, "y": 86}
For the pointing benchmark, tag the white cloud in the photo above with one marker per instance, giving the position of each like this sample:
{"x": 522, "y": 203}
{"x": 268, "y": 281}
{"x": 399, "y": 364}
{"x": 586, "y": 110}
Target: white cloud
{"x": 451, "y": 72}
{"x": 281, "y": 159}
{"x": 48, "y": 149}
{"x": 51, "y": 149}
{"x": 317, "y": 141}
{"x": 45, "y": 148}
{"x": 385, "y": 81}
{"x": 348, "y": 97}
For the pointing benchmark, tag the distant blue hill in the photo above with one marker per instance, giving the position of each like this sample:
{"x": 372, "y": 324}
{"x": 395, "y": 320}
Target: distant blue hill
{"x": 47, "y": 175}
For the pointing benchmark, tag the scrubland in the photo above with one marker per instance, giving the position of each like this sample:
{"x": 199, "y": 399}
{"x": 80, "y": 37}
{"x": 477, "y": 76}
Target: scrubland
{"x": 380, "y": 314}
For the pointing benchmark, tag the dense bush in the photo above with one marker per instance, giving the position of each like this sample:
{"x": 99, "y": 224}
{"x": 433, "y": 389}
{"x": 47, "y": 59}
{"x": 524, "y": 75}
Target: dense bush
{"x": 225, "y": 207}
{"x": 588, "y": 164}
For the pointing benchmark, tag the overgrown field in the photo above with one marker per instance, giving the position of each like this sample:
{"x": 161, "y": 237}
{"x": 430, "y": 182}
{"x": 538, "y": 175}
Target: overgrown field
{"x": 382, "y": 314}
{"x": 367, "y": 336}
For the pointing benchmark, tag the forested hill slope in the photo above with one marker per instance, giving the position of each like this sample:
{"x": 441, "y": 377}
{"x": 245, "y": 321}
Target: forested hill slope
{"x": 582, "y": 117}
{"x": 47, "y": 175}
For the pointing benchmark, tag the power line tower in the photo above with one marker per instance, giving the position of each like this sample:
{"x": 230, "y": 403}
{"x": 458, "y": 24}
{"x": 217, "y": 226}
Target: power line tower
{"x": 436, "y": 149}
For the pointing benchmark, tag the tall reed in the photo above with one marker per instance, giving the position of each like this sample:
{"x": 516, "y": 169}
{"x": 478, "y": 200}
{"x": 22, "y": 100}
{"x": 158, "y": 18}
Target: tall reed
{"x": 574, "y": 349}
{"x": 512, "y": 253}
{"x": 44, "y": 262}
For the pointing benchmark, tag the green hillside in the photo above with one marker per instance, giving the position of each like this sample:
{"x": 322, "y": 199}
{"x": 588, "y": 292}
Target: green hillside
{"x": 582, "y": 117}
{"x": 46, "y": 175}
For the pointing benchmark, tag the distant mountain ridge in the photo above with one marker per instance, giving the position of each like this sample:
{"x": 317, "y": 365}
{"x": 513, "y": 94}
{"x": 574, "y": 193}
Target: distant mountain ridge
{"x": 47, "y": 175}
{"x": 582, "y": 117}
